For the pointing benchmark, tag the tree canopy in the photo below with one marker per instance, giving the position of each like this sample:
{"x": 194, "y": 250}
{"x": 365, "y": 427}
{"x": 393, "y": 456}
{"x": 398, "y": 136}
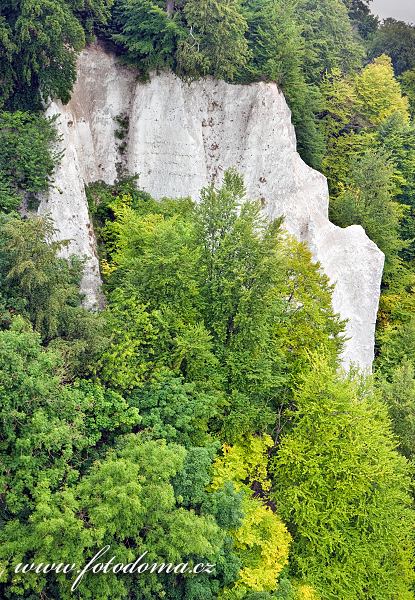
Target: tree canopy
{"x": 40, "y": 41}
{"x": 204, "y": 414}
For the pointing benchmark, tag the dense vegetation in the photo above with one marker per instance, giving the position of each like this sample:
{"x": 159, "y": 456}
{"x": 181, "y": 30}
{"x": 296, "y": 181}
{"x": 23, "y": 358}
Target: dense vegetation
{"x": 202, "y": 415}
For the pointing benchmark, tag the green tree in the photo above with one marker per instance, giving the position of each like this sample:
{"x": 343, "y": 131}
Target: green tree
{"x": 398, "y": 391}
{"x": 147, "y": 32}
{"x": 154, "y": 272}
{"x": 208, "y": 286}
{"x": 398, "y": 139}
{"x": 44, "y": 288}
{"x": 34, "y": 280}
{"x": 379, "y": 95}
{"x": 258, "y": 287}
{"x": 407, "y": 80}
{"x": 397, "y": 345}
{"x": 193, "y": 38}
{"x": 138, "y": 495}
{"x": 362, "y": 102}
{"x": 126, "y": 501}
{"x": 261, "y": 540}
{"x": 46, "y": 425}
{"x": 7, "y": 49}
{"x": 330, "y": 41}
{"x": 41, "y": 39}
{"x": 368, "y": 200}
{"x": 177, "y": 411}
{"x": 156, "y": 256}
{"x": 275, "y": 42}
{"x": 215, "y": 43}
{"x": 28, "y": 157}
{"x": 362, "y": 18}
{"x": 397, "y": 40}
{"x": 361, "y": 114}
{"x": 277, "y": 54}
{"x": 343, "y": 491}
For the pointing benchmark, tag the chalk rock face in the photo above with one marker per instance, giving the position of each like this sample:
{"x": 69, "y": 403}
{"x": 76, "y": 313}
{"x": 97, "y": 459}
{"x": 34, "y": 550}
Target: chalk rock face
{"x": 181, "y": 137}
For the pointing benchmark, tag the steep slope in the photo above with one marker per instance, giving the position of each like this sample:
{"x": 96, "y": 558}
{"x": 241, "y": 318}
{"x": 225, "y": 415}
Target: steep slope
{"x": 182, "y": 136}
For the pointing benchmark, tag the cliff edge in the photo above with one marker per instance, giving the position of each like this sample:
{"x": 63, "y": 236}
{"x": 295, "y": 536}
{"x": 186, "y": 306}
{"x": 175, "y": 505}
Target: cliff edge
{"x": 178, "y": 138}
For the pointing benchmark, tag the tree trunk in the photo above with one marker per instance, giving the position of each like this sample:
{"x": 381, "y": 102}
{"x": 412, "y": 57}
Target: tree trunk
{"x": 170, "y": 7}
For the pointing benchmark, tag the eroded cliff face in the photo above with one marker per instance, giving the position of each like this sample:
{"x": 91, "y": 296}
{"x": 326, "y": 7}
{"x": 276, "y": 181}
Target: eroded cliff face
{"x": 180, "y": 137}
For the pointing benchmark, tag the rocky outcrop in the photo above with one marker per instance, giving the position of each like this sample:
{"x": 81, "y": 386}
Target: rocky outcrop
{"x": 182, "y": 136}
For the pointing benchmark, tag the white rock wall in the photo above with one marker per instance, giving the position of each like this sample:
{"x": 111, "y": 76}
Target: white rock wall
{"x": 183, "y": 136}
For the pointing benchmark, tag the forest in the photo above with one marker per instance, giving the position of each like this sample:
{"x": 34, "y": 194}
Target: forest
{"x": 203, "y": 416}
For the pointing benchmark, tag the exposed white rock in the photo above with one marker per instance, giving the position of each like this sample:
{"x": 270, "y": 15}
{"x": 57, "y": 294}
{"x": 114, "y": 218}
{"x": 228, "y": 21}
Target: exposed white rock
{"x": 181, "y": 137}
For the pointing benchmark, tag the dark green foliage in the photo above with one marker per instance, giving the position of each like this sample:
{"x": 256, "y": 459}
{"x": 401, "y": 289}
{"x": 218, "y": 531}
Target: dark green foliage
{"x": 145, "y": 30}
{"x": 285, "y": 590}
{"x": 9, "y": 199}
{"x": 361, "y": 17}
{"x": 44, "y": 288}
{"x": 28, "y": 157}
{"x": 305, "y": 102}
{"x": 399, "y": 394}
{"x": 278, "y": 54}
{"x": 45, "y": 426}
{"x": 40, "y": 40}
{"x": 329, "y": 38}
{"x": 177, "y": 411}
{"x": 215, "y": 43}
{"x": 407, "y": 80}
{"x": 397, "y": 40}
{"x": 398, "y": 138}
{"x": 91, "y": 13}
{"x": 368, "y": 200}
{"x": 7, "y": 50}
{"x": 196, "y": 38}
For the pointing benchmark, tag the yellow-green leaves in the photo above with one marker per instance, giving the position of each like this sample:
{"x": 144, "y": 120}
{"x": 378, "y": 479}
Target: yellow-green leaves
{"x": 379, "y": 94}
{"x": 262, "y": 541}
{"x": 344, "y": 490}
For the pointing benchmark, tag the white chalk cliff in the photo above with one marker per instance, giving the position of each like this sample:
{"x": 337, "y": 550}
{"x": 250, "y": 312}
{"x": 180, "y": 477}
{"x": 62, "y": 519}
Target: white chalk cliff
{"x": 182, "y": 136}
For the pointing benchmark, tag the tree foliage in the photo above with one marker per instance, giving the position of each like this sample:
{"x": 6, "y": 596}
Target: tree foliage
{"x": 362, "y": 18}
{"x": 397, "y": 40}
{"x": 41, "y": 39}
{"x": 44, "y": 288}
{"x": 203, "y": 416}
{"x": 147, "y": 32}
{"x": 214, "y": 285}
{"x": 46, "y": 425}
{"x": 28, "y": 156}
{"x": 370, "y": 152}
{"x": 330, "y": 42}
{"x": 398, "y": 389}
{"x": 367, "y": 199}
{"x": 262, "y": 540}
{"x": 379, "y": 95}
{"x": 127, "y": 501}
{"x": 343, "y": 489}
{"x": 215, "y": 42}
